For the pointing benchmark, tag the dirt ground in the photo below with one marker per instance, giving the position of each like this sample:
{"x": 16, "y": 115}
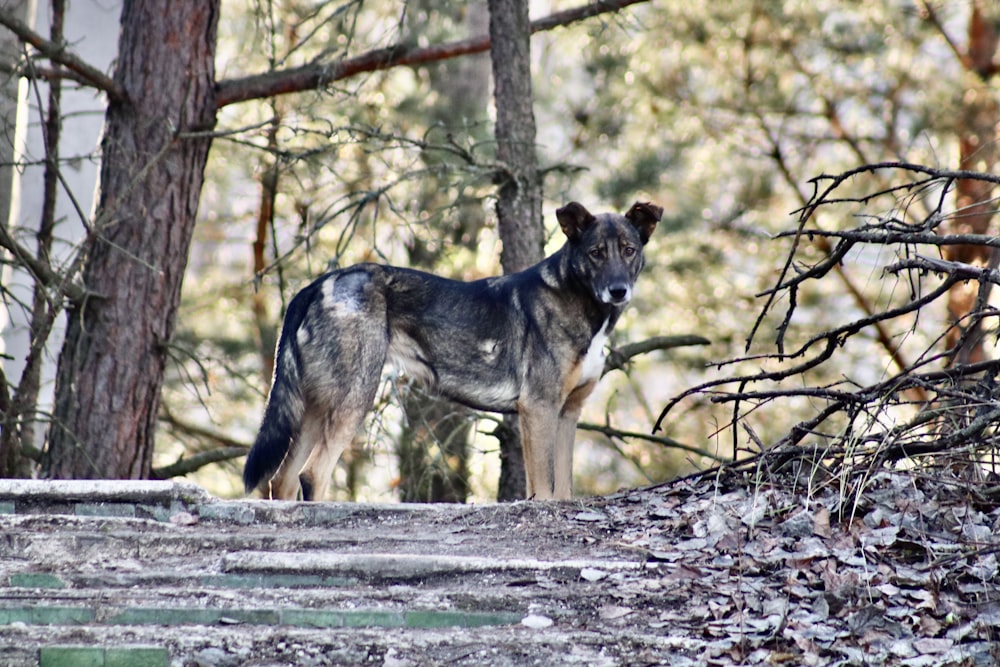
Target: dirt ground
{"x": 710, "y": 571}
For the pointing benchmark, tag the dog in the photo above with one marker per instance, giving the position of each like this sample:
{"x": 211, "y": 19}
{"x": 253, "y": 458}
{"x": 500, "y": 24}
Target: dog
{"x": 530, "y": 342}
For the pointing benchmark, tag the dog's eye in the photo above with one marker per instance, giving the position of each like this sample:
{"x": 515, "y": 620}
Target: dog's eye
{"x": 596, "y": 253}
{"x": 628, "y": 251}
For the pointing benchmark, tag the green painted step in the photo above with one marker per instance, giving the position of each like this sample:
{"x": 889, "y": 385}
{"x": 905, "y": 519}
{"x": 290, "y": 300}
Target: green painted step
{"x": 86, "y": 656}
{"x": 305, "y": 618}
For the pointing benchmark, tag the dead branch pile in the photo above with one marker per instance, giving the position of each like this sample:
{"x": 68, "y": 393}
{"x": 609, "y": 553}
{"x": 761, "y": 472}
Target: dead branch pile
{"x": 927, "y": 394}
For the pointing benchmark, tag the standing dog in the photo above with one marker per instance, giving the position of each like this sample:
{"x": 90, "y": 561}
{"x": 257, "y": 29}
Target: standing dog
{"x": 531, "y": 343}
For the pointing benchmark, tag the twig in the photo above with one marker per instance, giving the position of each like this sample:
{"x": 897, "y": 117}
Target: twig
{"x": 612, "y": 432}
{"x": 619, "y": 357}
{"x": 957, "y": 406}
{"x": 41, "y": 270}
{"x": 956, "y": 409}
{"x": 58, "y": 53}
{"x": 960, "y": 270}
{"x": 200, "y": 431}
{"x": 831, "y": 340}
{"x": 185, "y": 465}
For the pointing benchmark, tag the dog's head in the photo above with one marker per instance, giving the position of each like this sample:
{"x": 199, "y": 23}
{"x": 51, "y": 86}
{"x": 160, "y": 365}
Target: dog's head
{"x": 606, "y": 249}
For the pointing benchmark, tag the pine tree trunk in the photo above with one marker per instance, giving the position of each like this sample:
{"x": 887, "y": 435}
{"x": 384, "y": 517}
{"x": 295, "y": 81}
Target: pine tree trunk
{"x": 978, "y": 151}
{"x": 111, "y": 366}
{"x": 519, "y": 205}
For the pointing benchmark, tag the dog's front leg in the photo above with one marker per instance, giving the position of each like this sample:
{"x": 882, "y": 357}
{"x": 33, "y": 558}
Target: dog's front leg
{"x": 539, "y": 436}
{"x": 565, "y": 435}
{"x": 568, "y": 416}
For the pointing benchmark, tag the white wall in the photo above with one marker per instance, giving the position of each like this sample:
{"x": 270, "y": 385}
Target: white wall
{"x": 91, "y": 30}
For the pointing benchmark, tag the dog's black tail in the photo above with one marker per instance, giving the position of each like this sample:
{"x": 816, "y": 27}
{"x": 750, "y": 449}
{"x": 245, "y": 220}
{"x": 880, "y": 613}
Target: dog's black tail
{"x": 284, "y": 409}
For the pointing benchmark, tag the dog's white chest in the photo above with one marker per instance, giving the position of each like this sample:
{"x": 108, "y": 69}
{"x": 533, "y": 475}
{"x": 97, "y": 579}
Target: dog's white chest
{"x": 592, "y": 364}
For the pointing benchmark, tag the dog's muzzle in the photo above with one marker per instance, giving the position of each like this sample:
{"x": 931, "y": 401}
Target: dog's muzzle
{"x": 616, "y": 295}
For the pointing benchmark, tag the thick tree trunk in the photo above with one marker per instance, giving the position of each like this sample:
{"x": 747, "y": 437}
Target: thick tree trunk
{"x": 111, "y": 366}
{"x": 519, "y": 205}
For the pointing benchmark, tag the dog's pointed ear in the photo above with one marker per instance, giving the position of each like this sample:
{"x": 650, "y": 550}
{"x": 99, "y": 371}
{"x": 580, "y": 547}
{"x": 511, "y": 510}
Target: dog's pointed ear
{"x": 644, "y": 217}
{"x": 574, "y": 218}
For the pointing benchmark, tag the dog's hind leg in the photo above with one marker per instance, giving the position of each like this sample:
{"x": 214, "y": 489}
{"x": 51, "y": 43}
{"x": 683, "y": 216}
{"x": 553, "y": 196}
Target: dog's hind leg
{"x": 338, "y": 432}
{"x": 325, "y": 434}
{"x": 343, "y": 343}
{"x": 285, "y": 483}
{"x": 346, "y": 398}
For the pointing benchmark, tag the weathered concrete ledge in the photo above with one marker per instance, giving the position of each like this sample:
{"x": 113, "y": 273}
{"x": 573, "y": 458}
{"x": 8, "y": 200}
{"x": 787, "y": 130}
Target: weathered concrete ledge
{"x": 86, "y": 656}
{"x": 411, "y": 566}
{"x": 163, "y": 500}
{"x": 133, "y": 491}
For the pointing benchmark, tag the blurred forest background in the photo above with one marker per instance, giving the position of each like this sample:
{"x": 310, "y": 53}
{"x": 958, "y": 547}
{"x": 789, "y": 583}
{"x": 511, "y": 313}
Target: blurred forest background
{"x": 720, "y": 112}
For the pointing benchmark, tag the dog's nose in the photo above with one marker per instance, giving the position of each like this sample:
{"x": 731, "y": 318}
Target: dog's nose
{"x": 619, "y": 294}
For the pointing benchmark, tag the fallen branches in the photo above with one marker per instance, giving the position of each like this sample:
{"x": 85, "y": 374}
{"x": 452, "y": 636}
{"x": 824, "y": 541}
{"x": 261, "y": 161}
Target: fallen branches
{"x": 938, "y": 404}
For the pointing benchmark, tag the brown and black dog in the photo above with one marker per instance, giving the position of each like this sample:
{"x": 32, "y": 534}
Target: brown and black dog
{"x": 531, "y": 342}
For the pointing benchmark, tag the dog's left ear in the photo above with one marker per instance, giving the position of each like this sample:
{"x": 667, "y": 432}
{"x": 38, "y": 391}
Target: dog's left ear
{"x": 644, "y": 217}
{"x": 574, "y": 218}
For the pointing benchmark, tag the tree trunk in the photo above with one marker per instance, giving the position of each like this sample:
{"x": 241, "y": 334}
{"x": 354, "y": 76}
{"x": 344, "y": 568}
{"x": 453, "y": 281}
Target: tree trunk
{"x": 18, "y": 411}
{"x": 111, "y": 366}
{"x": 267, "y": 332}
{"x": 519, "y": 204}
{"x": 978, "y": 151}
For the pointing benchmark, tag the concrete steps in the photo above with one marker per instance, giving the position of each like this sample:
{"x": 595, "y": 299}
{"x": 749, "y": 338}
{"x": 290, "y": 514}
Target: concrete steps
{"x": 156, "y": 573}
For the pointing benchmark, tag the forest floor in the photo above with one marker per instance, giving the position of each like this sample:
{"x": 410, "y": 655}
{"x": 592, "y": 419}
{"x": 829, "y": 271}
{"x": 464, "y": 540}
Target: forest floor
{"x": 898, "y": 569}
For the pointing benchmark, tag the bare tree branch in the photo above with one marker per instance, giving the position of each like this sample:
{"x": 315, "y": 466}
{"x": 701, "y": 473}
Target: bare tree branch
{"x": 670, "y": 443}
{"x": 195, "y": 462}
{"x": 312, "y": 75}
{"x": 228, "y": 448}
{"x": 201, "y": 432}
{"x": 930, "y": 14}
{"x": 960, "y": 270}
{"x": 58, "y": 53}
{"x": 619, "y": 357}
{"x": 41, "y": 270}
{"x": 834, "y": 254}
{"x": 829, "y": 341}
{"x": 318, "y": 74}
